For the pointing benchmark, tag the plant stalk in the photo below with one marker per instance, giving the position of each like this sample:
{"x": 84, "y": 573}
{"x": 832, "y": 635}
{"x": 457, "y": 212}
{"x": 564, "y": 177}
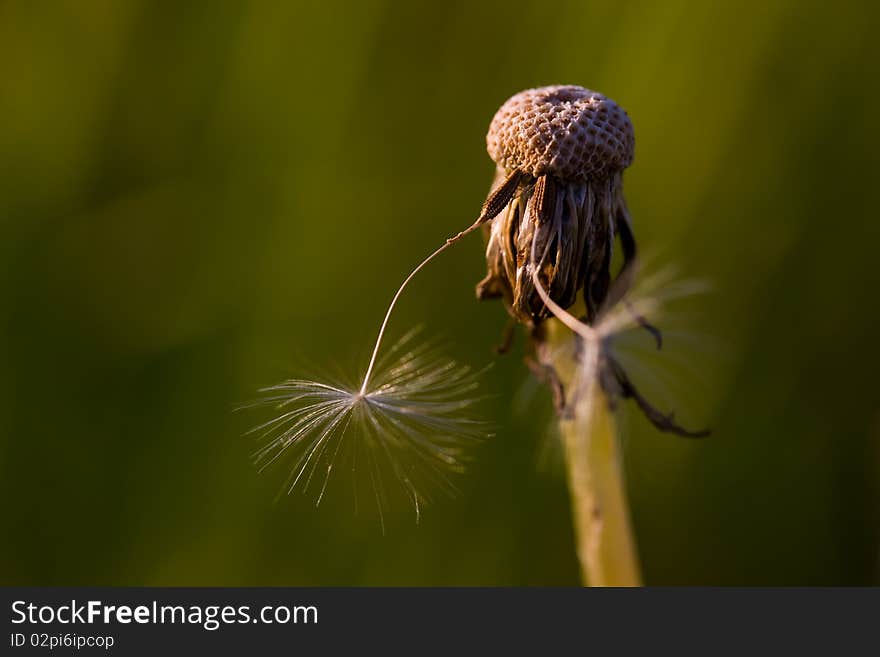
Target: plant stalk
{"x": 606, "y": 546}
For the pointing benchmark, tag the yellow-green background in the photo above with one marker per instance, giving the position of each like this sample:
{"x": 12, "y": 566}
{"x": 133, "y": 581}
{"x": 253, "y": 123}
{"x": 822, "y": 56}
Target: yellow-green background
{"x": 197, "y": 196}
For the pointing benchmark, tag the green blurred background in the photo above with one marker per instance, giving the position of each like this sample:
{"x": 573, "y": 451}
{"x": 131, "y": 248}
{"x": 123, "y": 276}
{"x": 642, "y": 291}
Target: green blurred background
{"x": 195, "y": 197}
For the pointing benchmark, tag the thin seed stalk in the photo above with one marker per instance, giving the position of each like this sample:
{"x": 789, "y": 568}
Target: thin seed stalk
{"x": 605, "y": 543}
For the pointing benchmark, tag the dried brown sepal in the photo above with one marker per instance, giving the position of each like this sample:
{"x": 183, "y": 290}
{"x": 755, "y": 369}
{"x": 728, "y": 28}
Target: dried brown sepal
{"x": 571, "y": 227}
{"x": 617, "y": 384}
{"x": 500, "y": 196}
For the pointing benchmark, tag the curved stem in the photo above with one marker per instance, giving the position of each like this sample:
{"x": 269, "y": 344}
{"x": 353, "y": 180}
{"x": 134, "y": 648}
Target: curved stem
{"x": 449, "y": 242}
{"x": 498, "y": 198}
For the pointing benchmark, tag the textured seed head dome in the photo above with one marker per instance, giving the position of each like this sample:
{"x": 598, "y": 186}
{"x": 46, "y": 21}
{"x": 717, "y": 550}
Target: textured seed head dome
{"x": 566, "y": 131}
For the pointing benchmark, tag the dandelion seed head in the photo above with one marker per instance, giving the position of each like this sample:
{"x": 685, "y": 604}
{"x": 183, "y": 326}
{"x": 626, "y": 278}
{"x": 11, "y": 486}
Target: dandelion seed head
{"x": 405, "y": 436}
{"x": 561, "y": 152}
{"x": 569, "y": 147}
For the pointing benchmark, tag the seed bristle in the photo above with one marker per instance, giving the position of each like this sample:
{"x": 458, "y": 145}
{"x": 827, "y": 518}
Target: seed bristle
{"x": 412, "y": 422}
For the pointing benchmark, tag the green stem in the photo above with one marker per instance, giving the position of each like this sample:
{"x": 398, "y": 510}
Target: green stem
{"x": 606, "y": 546}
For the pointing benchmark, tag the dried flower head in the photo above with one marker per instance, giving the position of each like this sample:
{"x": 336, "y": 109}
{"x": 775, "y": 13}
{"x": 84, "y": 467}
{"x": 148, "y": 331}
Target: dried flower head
{"x": 566, "y": 148}
{"x": 570, "y": 146}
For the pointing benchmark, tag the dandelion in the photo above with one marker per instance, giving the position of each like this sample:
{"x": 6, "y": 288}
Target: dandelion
{"x": 552, "y": 242}
{"x": 566, "y": 147}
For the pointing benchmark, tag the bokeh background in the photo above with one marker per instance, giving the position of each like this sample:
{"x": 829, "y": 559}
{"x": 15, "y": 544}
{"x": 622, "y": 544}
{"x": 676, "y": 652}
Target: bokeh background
{"x": 196, "y": 197}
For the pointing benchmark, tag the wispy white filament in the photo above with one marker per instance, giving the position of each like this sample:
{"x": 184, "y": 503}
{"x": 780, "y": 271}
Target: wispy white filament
{"x": 449, "y": 242}
{"x": 411, "y": 423}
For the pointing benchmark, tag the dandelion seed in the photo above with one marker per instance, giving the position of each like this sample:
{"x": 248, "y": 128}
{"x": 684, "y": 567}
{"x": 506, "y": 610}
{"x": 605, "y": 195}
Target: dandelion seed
{"x": 412, "y": 409}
